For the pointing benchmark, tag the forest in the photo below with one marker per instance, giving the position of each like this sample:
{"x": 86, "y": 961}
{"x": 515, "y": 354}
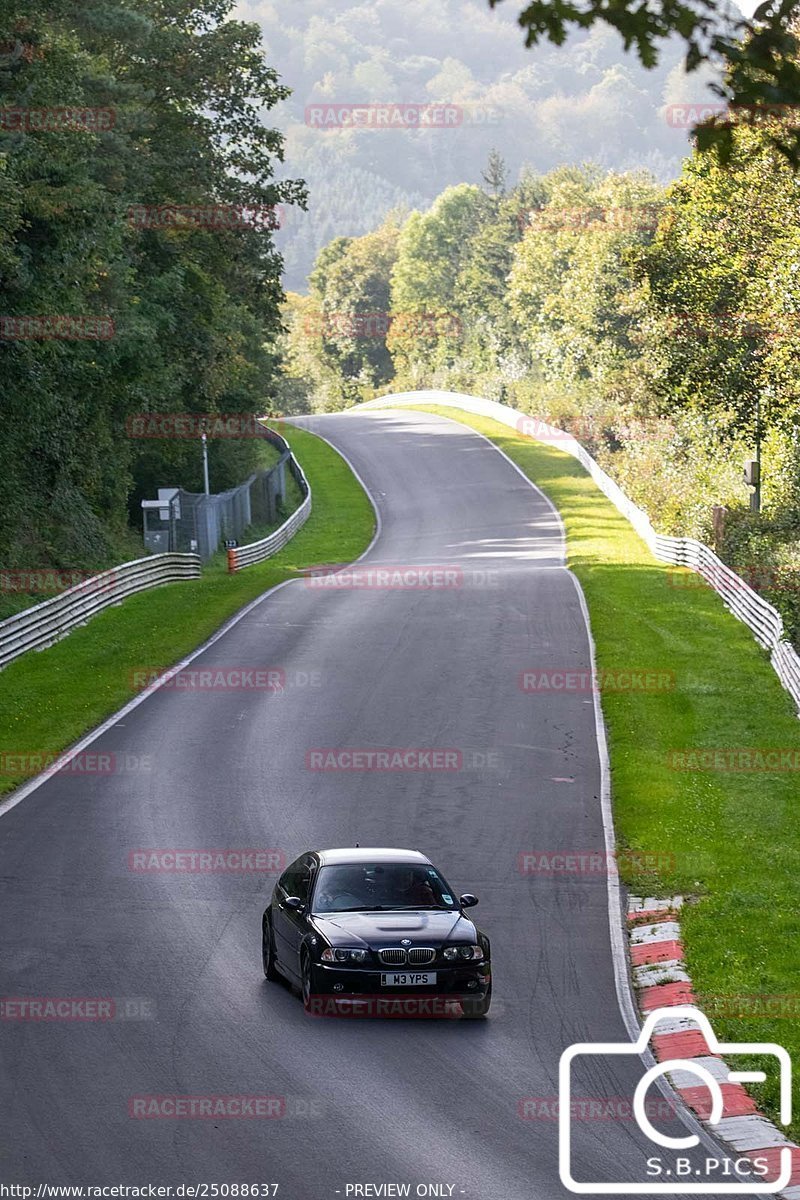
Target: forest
{"x": 540, "y": 106}
{"x": 111, "y": 111}
{"x": 658, "y": 323}
{"x": 158, "y": 162}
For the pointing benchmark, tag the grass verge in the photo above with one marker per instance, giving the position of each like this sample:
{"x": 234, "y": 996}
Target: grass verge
{"x": 49, "y": 699}
{"x": 729, "y": 839}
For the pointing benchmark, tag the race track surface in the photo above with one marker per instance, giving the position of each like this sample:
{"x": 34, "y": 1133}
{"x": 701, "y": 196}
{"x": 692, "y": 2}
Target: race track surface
{"x": 370, "y": 1101}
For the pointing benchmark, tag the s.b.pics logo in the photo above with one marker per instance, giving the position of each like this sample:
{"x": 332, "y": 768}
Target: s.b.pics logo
{"x": 672, "y": 1170}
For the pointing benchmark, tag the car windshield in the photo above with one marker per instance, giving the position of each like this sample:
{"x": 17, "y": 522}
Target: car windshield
{"x": 365, "y": 887}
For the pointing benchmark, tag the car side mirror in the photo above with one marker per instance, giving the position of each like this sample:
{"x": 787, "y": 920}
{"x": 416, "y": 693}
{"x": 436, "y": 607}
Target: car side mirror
{"x": 468, "y": 900}
{"x": 295, "y": 903}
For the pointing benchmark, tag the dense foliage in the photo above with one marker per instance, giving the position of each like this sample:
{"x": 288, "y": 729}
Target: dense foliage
{"x": 660, "y": 325}
{"x": 759, "y": 55}
{"x": 181, "y": 89}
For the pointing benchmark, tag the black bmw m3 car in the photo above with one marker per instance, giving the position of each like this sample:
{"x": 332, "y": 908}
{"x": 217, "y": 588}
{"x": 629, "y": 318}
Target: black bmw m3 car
{"x": 353, "y": 927}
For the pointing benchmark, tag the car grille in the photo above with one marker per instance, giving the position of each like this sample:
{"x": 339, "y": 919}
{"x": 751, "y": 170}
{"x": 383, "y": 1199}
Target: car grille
{"x": 397, "y": 957}
{"x": 394, "y": 958}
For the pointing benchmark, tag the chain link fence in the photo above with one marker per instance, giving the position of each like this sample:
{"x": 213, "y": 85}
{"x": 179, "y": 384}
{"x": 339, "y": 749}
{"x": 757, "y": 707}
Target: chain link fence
{"x": 180, "y": 521}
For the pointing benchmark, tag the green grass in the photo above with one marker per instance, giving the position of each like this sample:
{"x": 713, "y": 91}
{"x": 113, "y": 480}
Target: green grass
{"x": 49, "y": 699}
{"x": 728, "y": 840}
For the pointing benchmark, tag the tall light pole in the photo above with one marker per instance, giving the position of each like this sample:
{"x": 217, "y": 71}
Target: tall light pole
{"x": 752, "y": 468}
{"x": 204, "y": 440}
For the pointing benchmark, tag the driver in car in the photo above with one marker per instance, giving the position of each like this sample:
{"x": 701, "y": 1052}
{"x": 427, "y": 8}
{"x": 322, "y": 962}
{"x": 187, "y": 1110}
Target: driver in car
{"x": 413, "y": 888}
{"x": 346, "y": 890}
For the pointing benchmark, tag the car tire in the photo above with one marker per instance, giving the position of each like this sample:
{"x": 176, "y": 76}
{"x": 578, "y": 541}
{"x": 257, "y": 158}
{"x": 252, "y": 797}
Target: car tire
{"x": 271, "y": 972}
{"x": 306, "y": 980}
{"x": 475, "y": 1009}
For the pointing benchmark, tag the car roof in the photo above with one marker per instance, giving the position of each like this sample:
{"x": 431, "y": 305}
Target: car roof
{"x": 370, "y": 854}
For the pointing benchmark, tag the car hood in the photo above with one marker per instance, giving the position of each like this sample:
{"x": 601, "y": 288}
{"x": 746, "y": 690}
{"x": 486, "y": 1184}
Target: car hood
{"x": 387, "y": 928}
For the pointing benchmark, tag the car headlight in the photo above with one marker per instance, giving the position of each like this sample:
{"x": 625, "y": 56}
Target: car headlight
{"x": 463, "y": 953}
{"x": 338, "y": 955}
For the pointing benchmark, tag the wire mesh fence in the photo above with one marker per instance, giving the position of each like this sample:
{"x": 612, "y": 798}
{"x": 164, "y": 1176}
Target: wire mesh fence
{"x": 181, "y": 521}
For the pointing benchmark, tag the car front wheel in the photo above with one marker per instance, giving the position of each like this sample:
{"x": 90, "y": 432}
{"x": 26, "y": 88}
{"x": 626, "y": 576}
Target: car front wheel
{"x": 268, "y": 950}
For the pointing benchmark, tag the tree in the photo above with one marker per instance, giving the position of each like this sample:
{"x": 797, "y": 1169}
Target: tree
{"x": 496, "y": 174}
{"x": 760, "y": 55}
{"x": 338, "y": 334}
{"x": 427, "y": 329}
{"x": 192, "y": 307}
{"x": 723, "y": 289}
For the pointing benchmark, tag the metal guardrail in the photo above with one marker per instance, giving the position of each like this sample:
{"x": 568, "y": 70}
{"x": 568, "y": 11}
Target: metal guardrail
{"x": 761, "y": 618}
{"x": 45, "y": 623}
{"x": 245, "y": 556}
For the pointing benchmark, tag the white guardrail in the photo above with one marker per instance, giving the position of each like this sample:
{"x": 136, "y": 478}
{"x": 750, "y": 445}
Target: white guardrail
{"x": 746, "y": 604}
{"x": 245, "y": 556}
{"x": 45, "y": 623}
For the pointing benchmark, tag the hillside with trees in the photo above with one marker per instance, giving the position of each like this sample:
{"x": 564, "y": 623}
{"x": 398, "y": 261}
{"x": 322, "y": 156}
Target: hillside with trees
{"x": 540, "y": 107}
{"x": 659, "y": 324}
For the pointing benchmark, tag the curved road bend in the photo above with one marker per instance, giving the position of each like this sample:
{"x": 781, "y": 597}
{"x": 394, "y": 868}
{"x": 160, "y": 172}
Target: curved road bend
{"x": 366, "y": 1101}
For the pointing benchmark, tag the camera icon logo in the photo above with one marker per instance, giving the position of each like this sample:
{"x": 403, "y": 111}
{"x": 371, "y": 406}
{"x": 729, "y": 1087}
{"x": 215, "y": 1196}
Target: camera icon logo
{"x": 704, "y": 1076}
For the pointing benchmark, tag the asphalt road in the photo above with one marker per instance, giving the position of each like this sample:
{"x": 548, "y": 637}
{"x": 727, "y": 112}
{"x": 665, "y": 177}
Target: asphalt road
{"x": 371, "y": 1101}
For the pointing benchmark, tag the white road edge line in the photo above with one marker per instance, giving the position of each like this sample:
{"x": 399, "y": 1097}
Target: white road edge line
{"x": 31, "y": 785}
{"x": 617, "y": 917}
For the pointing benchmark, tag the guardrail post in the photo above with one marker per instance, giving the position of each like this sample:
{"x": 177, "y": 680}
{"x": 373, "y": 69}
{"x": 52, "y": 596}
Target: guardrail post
{"x": 718, "y": 514}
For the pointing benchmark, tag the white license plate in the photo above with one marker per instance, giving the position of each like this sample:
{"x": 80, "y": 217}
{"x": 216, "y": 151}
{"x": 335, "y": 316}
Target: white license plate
{"x": 408, "y": 978}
